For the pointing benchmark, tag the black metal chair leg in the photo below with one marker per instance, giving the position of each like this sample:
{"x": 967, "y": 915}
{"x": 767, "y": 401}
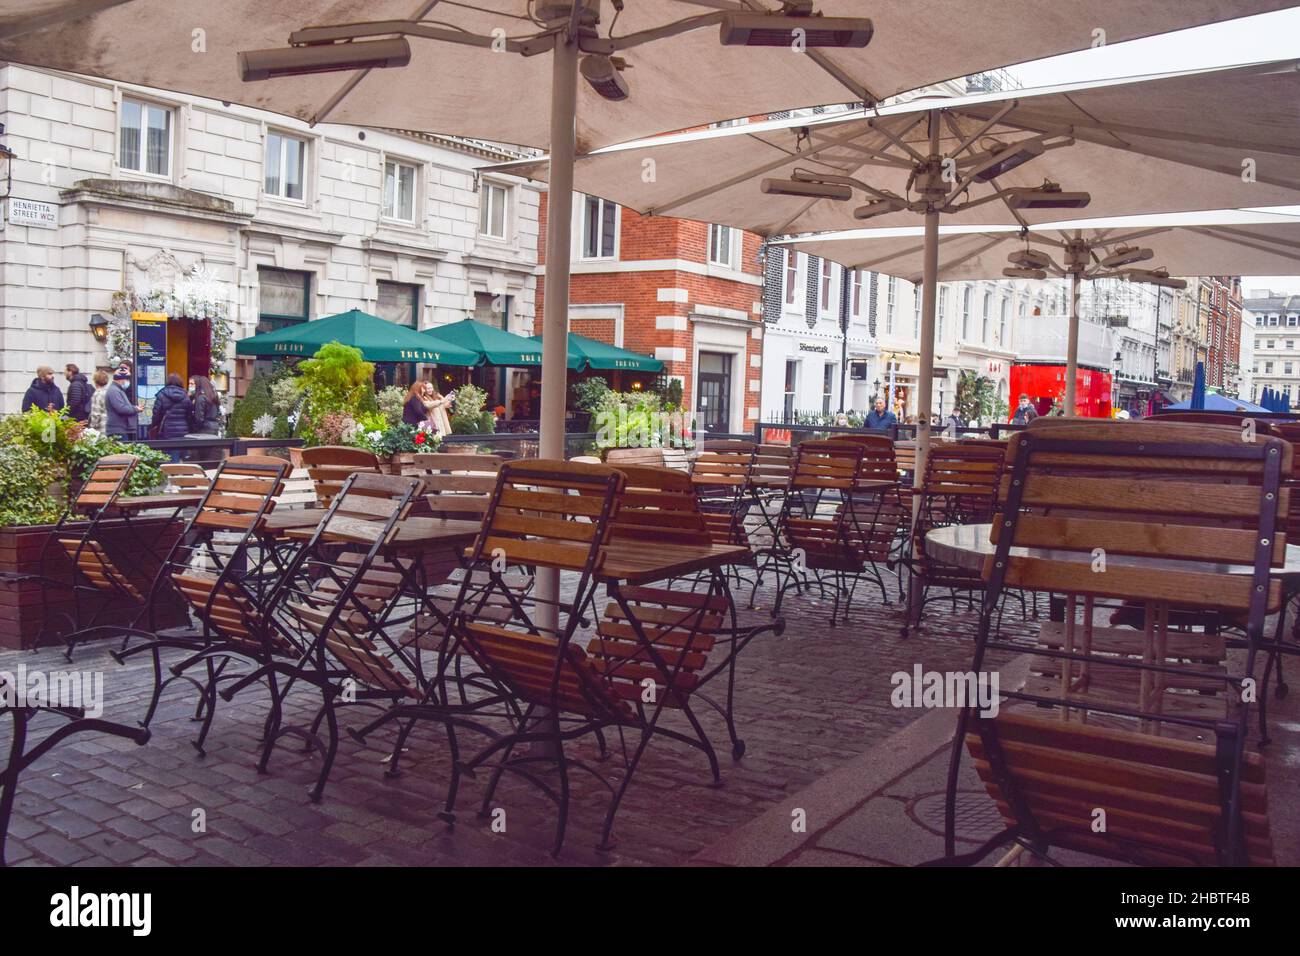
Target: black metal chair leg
{"x": 331, "y": 750}
{"x": 9, "y": 776}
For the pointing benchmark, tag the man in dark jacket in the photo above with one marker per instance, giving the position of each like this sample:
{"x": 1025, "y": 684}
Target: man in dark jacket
{"x": 79, "y": 393}
{"x": 171, "y": 410}
{"x": 880, "y": 417}
{"x": 123, "y": 417}
{"x": 43, "y": 393}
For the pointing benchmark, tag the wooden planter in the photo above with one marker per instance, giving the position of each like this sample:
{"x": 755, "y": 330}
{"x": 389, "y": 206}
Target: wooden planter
{"x": 23, "y": 604}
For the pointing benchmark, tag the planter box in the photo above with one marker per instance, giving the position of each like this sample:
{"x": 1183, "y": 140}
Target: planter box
{"x": 23, "y": 604}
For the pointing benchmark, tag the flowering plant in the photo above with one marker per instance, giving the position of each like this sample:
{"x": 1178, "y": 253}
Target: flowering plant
{"x": 335, "y": 428}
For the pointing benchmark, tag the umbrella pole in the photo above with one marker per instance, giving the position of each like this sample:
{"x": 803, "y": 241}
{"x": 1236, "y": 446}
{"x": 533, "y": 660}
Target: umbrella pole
{"x": 1072, "y": 348}
{"x": 555, "y": 301}
{"x": 925, "y": 374}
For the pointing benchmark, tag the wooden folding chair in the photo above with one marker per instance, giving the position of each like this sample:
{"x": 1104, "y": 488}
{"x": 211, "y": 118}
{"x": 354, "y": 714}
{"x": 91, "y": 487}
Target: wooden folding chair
{"x": 617, "y": 457}
{"x": 645, "y": 629}
{"x": 96, "y": 578}
{"x": 337, "y": 605}
{"x": 460, "y": 486}
{"x": 720, "y": 474}
{"x": 329, "y": 466}
{"x": 209, "y": 566}
{"x": 1161, "y": 514}
{"x": 960, "y": 486}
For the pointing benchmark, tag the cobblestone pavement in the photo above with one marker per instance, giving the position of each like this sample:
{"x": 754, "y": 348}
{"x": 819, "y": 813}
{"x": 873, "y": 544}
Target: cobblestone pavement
{"x": 807, "y": 702}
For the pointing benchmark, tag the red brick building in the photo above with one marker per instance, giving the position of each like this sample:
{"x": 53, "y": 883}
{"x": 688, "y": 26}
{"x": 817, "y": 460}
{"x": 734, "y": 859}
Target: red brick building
{"x": 1222, "y": 300}
{"x": 685, "y": 292}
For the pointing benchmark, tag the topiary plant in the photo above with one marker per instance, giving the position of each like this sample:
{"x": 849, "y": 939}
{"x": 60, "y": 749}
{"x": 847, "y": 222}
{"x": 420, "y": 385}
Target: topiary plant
{"x": 469, "y": 415}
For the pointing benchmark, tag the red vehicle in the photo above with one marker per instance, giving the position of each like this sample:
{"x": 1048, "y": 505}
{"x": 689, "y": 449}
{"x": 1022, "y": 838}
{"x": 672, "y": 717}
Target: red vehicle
{"x": 1045, "y": 386}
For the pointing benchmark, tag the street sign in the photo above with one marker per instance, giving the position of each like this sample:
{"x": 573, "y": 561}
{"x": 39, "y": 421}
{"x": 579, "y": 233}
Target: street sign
{"x": 29, "y": 212}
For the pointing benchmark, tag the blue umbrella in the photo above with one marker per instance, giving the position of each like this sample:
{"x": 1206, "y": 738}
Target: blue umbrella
{"x": 1268, "y": 401}
{"x": 1214, "y": 402}
{"x": 1198, "y": 388}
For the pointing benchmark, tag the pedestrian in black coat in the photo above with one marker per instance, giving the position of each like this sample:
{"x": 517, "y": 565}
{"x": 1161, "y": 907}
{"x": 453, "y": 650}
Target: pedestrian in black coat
{"x": 43, "y": 393}
{"x": 171, "y": 410}
{"x": 79, "y": 393}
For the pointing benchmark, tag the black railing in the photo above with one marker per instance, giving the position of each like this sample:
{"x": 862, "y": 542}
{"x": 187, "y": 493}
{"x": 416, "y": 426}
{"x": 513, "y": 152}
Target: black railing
{"x": 210, "y": 452}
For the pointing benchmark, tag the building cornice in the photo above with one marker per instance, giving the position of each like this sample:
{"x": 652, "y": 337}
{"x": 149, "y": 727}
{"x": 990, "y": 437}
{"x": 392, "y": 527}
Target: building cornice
{"x": 162, "y": 198}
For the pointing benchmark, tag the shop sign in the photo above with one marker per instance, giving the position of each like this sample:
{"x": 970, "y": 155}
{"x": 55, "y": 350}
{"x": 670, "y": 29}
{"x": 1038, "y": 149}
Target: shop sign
{"x": 822, "y": 349}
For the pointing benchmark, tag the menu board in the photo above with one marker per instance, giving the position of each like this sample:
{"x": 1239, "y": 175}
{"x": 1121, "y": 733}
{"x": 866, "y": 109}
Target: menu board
{"x": 150, "y": 357}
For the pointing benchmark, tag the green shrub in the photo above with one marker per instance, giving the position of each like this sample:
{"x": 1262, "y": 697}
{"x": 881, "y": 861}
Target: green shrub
{"x": 258, "y": 402}
{"x": 589, "y": 393}
{"x": 147, "y": 475}
{"x": 391, "y": 402}
{"x": 25, "y": 479}
{"x": 469, "y": 416}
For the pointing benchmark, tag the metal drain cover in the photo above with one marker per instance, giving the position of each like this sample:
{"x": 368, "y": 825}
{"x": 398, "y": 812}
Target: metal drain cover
{"x": 978, "y": 817}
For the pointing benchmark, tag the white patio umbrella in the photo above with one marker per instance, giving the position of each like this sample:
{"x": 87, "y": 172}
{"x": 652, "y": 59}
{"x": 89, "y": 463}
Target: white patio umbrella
{"x": 1154, "y": 249}
{"x": 476, "y": 69}
{"x": 1203, "y": 139}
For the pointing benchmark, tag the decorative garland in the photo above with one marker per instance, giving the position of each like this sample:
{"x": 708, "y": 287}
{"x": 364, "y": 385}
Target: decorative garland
{"x": 197, "y": 296}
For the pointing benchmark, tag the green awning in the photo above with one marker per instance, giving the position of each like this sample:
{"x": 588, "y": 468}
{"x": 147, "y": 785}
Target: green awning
{"x": 585, "y": 353}
{"x": 496, "y": 346}
{"x": 378, "y": 340}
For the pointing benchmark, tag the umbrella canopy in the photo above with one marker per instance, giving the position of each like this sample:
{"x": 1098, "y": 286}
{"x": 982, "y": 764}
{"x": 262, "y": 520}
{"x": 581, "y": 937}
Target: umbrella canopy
{"x": 378, "y": 340}
{"x": 1226, "y": 242}
{"x": 1197, "y": 400}
{"x": 1214, "y": 402}
{"x": 585, "y": 353}
{"x": 1167, "y": 143}
{"x": 496, "y": 346}
{"x": 464, "y": 89}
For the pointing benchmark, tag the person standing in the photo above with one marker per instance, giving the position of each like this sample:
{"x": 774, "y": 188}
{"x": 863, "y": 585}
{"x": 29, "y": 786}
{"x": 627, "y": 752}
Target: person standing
{"x": 43, "y": 393}
{"x": 437, "y": 404}
{"x": 98, "y": 415}
{"x": 1025, "y": 412}
{"x": 123, "y": 418}
{"x": 205, "y": 418}
{"x": 880, "y": 417}
{"x": 79, "y": 392}
{"x": 414, "y": 412}
{"x": 171, "y": 413}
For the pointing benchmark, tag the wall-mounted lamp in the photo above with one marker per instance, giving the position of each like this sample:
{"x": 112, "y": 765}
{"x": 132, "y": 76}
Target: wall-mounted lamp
{"x": 221, "y": 381}
{"x": 99, "y": 328}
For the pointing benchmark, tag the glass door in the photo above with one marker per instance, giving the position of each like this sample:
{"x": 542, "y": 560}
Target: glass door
{"x": 713, "y": 405}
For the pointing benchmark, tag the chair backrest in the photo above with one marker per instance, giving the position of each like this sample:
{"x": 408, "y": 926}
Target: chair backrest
{"x": 773, "y": 463}
{"x": 727, "y": 446}
{"x": 106, "y": 482}
{"x": 1183, "y": 493}
{"x": 961, "y": 481}
{"x": 458, "y": 485}
{"x": 241, "y": 493}
{"x": 880, "y": 455}
{"x": 635, "y": 456}
{"x": 549, "y": 512}
{"x": 658, "y": 504}
{"x": 827, "y": 465}
{"x": 1164, "y": 799}
{"x": 329, "y": 466}
{"x": 341, "y": 599}
{"x": 186, "y": 475}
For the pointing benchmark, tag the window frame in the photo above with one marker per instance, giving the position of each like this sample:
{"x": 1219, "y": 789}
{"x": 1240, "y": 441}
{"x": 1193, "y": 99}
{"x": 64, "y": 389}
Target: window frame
{"x": 792, "y": 273}
{"x": 485, "y": 211}
{"x": 791, "y": 387}
{"x": 145, "y": 104}
{"x": 716, "y": 232}
{"x": 825, "y": 278}
{"x": 284, "y": 136}
{"x": 601, "y": 205}
{"x": 413, "y": 289}
{"x": 398, "y": 163}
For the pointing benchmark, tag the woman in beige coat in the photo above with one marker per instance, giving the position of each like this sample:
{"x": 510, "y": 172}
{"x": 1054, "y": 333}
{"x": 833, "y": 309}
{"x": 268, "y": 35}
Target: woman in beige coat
{"x": 436, "y": 405}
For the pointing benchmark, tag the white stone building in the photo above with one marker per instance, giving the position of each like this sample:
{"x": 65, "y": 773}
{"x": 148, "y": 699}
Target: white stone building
{"x": 1274, "y": 334}
{"x": 118, "y": 189}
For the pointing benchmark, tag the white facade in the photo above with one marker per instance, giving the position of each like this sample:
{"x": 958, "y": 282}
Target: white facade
{"x": 1270, "y": 323}
{"x": 149, "y": 189}
{"x": 975, "y": 328}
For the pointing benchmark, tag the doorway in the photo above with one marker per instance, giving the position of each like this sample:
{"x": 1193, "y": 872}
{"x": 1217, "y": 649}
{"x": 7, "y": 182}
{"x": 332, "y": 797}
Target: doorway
{"x": 713, "y": 404}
